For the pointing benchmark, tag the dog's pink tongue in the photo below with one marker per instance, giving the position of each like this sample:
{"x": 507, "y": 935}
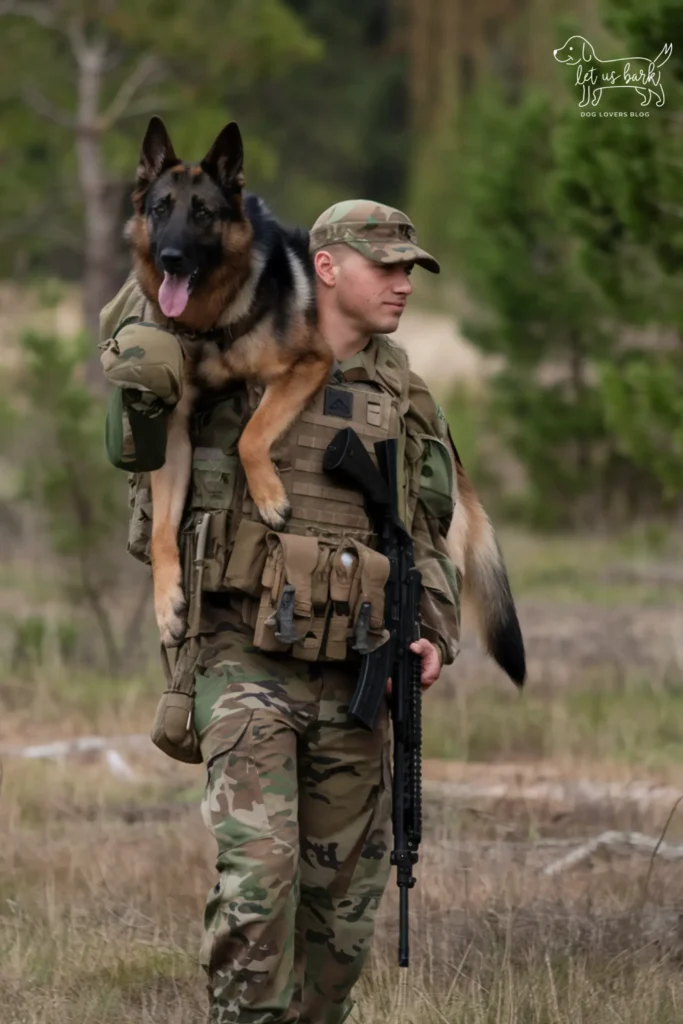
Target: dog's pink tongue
{"x": 173, "y": 294}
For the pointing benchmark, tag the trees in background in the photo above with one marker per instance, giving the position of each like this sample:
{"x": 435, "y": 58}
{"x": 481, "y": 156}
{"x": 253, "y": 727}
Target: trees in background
{"x": 568, "y": 234}
{"x": 564, "y": 232}
{"x": 78, "y": 82}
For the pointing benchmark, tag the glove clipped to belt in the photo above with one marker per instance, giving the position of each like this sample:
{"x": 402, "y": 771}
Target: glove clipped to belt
{"x": 144, "y": 363}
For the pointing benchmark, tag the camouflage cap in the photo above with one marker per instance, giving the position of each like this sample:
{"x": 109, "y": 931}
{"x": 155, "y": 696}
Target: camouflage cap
{"x": 379, "y": 232}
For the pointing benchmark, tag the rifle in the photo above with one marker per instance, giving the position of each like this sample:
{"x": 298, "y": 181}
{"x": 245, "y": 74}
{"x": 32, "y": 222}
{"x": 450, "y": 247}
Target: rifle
{"x": 347, "y": 459}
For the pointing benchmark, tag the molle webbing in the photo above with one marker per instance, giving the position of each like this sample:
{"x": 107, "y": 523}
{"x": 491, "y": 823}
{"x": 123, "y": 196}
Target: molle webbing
{"x": 319, "y": 506}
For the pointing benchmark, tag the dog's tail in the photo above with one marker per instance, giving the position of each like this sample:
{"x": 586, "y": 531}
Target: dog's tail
{"x": 474, "y": 549}
{"x": 663, "y": 55}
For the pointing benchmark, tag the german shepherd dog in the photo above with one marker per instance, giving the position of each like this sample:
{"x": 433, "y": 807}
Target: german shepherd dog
{"x": 240, "y": 289}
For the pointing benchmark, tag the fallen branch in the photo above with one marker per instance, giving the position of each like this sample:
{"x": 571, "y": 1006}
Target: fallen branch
{"x": 664, "y": 575}
{"x": 617, "y": 841}
{"x": 118, "y": 767}
{"x": 80, "y": 745}
{"x": 583, "y": 791}
{"x": 116, "y": 764}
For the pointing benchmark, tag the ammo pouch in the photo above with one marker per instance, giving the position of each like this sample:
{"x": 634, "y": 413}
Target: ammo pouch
{"x": 308, "y": 596}
{"x": 173, "y": 730}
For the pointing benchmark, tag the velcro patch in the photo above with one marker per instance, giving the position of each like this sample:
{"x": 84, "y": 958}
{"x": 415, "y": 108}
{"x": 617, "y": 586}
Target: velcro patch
{"x": 338, "y": 403}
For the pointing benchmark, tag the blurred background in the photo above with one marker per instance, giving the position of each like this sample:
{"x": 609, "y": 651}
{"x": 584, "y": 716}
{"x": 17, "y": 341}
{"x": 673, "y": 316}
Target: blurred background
{"x": 552, "y": 338}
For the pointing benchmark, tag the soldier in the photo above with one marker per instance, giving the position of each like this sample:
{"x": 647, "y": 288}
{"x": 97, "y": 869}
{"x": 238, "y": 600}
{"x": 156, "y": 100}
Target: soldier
{"x": 297, "y": 796}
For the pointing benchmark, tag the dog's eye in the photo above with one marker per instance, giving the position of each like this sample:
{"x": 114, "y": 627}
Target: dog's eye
{"x": 202, "y": 213}
{"x": 159, "y": 209}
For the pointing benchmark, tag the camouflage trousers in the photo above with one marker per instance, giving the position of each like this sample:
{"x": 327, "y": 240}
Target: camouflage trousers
{"x": 298, "y": 799}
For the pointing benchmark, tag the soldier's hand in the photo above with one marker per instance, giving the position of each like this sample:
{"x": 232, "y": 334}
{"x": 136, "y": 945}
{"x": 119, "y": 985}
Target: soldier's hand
{"x": 431, "y": 662}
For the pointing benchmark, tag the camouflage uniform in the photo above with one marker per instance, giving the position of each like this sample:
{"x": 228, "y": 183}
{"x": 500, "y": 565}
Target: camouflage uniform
{"x": 299, "y": 801}
{"x": 297, "y": 796}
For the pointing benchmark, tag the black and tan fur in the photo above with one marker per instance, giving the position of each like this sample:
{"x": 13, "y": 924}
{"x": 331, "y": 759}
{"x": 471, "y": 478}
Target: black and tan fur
{"x": 474, "y": 550}
{"x": 251, "y": 314}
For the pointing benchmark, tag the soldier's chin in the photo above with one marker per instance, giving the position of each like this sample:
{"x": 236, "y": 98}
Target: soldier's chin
{"x": 389, "y": 321}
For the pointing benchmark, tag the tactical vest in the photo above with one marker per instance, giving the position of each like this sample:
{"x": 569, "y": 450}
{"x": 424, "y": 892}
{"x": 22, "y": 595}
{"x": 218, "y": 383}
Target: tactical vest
{"x": 316, "y": 589}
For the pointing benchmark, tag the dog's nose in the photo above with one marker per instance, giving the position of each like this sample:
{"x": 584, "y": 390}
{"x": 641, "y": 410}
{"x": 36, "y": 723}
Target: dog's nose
{"x": 171, "y": 260}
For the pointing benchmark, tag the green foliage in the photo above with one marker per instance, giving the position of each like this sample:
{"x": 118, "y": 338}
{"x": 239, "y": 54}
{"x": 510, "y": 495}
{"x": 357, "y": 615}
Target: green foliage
{"x": 319, "y": 95}
{"x": 66, "y": 472}
{"x": 190, "y": 63}
{"x": 472, "y": 425}
{"x": 568, "y": 232}
{"x": 535, "y": 303}
{"x": 629, "y": 721}
{"x": 643, "y": 400}
{"x": 67, "y": 478}
{"x": 29, "y": 642}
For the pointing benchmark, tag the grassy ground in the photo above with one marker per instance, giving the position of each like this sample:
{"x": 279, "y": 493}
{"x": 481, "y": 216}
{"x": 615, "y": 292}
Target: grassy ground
{"x": 103, "y": 880}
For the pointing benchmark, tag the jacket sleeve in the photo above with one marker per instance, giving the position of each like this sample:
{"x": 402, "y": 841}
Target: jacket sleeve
{"x": 430, "y": 463}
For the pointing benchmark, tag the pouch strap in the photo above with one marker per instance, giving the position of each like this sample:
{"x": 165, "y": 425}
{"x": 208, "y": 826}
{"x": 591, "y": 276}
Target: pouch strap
{"x": 166, "y": 666}
{"x": 199, "y": 563}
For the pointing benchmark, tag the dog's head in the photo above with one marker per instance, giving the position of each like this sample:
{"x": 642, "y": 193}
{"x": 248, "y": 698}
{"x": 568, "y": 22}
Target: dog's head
{"x": 189, "y": 232}
{"x": 576, "y": 49}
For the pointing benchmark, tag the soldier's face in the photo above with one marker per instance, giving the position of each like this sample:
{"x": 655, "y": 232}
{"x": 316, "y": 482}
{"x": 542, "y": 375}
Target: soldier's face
{"x": 372, "y": 295}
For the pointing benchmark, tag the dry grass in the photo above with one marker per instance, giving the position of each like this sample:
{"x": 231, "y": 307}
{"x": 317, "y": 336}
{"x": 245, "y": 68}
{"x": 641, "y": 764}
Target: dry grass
{"x": 102, "y": 889}
{"x": 103, "y": 881}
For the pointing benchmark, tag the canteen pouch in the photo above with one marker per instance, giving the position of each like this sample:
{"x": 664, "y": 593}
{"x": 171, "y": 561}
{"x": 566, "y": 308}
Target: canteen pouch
{"x": 173, "y": 729}
{"x": 135, "y": 430}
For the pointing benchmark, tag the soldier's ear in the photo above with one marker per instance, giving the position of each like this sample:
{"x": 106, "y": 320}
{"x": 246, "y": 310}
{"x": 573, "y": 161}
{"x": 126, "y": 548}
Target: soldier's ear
{"x": 325, "y": 267}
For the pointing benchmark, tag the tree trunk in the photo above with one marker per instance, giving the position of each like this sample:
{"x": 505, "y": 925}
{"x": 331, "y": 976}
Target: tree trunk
{"x": 100, "y": 277}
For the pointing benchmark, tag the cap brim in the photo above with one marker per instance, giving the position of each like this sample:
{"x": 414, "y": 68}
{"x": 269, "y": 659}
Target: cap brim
{"x": 423, "y": 259}
{"x": 404, "y": 252}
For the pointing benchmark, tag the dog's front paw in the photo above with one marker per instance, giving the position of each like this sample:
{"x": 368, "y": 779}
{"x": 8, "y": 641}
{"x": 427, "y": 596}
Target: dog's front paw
{"x": 276, "y": 514}
{"x": 171, "y": 609}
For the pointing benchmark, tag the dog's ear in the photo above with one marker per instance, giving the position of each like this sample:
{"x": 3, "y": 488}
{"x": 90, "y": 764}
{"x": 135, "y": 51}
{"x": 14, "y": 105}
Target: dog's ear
{"x": 587, "y": 52}
{"x": 225, "y": 160}
{"x": 156, "y": 153}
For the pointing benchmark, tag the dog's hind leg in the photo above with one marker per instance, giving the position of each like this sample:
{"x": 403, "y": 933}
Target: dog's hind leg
{"x": 282, "y": 401}
{"x": 169, "y": 489}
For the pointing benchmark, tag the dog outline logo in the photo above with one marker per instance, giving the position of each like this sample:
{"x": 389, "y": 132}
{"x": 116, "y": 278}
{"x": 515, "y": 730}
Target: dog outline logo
{"x": 595, "y": 75}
